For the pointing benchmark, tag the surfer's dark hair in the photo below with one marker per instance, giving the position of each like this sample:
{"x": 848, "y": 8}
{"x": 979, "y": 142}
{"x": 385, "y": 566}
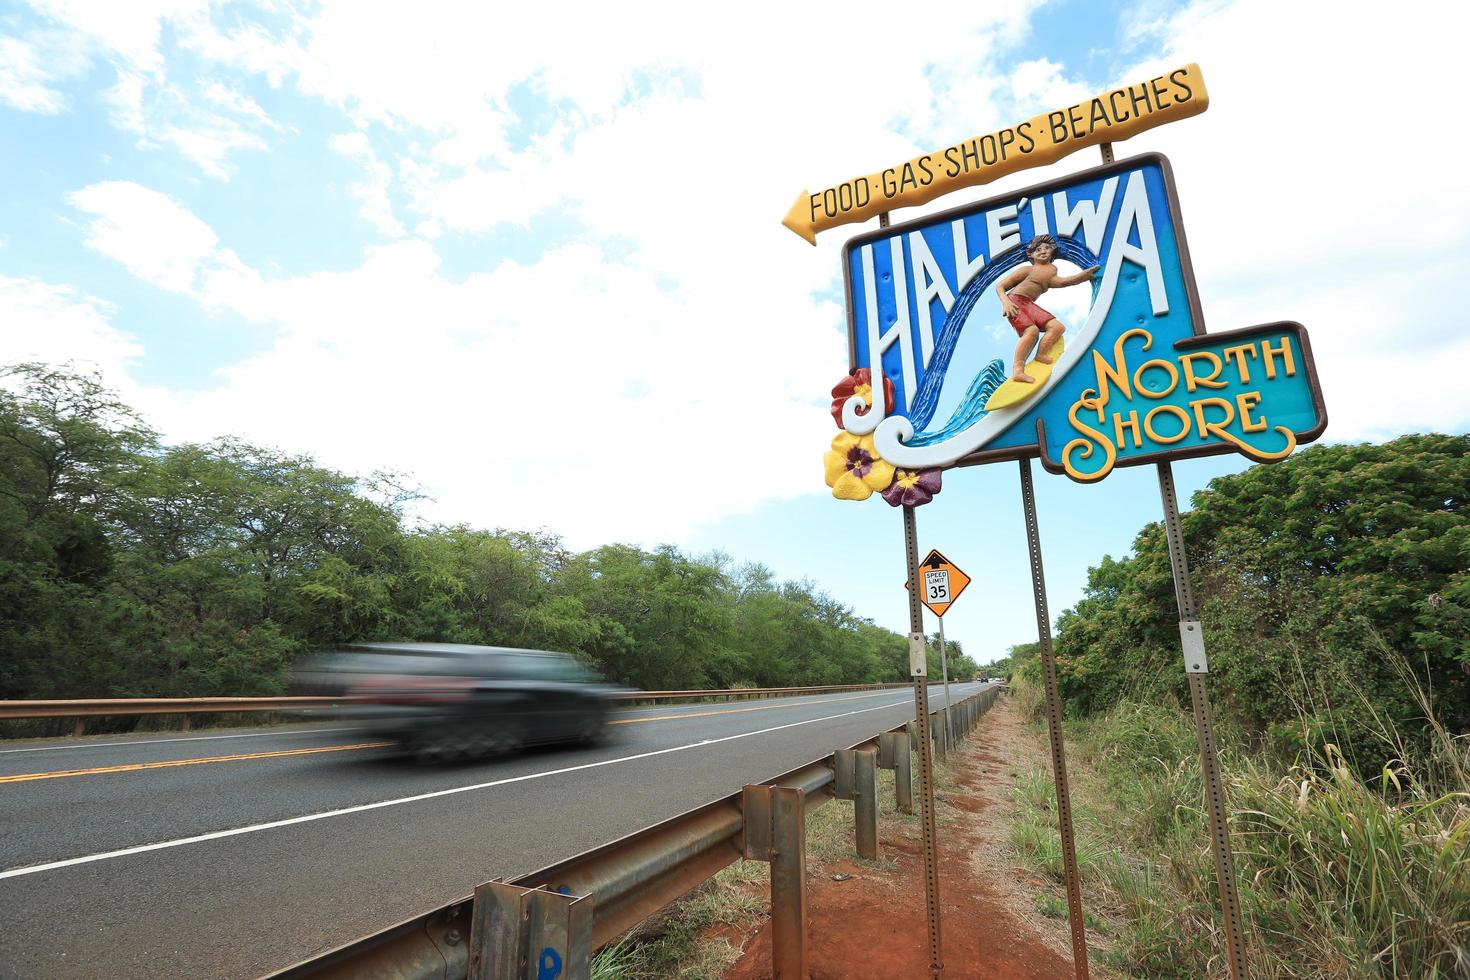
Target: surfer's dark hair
{"x": 1039, "y": 240}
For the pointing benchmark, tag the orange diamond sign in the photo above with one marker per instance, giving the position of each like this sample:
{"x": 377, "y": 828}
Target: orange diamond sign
{"x": 941, "y": 582}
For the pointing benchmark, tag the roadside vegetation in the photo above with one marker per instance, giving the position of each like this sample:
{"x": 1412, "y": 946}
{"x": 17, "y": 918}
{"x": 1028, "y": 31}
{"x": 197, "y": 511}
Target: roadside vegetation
{"x": 1339, "y": 875}
{"x": 679, "y": 941}
{"x": 1336, "y": 602}
{"x": 132, "y": 568}
{"x": 1318, "y": 578}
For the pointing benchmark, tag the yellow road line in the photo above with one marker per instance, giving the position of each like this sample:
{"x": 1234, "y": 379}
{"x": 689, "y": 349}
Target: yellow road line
{"x": 139, "y": 766}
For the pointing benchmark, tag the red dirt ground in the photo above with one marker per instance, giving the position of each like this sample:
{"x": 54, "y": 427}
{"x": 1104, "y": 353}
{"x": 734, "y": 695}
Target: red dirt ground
{"x": 874, "y": 926}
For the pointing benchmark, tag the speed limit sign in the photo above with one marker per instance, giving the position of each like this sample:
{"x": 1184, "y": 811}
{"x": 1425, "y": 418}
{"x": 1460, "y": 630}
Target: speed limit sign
{"x": 936, "y": 585}
{"x": 941, "y": 581}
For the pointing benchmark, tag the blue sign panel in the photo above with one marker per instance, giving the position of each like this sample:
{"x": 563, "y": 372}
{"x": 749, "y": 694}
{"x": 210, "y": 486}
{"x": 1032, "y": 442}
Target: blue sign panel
{"x": 952, "y": 309}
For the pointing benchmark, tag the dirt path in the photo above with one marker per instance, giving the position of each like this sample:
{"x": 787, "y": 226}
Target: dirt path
{"x": 873, "y": 924}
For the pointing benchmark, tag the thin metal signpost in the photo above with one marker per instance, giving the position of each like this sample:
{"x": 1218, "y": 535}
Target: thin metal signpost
{"x": 1054, "y": 727}
{"x": 1197, "y": 668}
{"x": 944, "y": 669}
{"x": 920, "y": 673}
{"x": 926, "y": 762}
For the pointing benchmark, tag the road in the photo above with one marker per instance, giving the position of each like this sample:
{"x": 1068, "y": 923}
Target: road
{"x": 234, "y": 853}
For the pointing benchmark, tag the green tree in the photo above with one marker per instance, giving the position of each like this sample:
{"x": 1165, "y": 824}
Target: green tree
{"x": 131, "y": 568}
{"x": 69, "y": 450}
{"x": 1314, "y": 575}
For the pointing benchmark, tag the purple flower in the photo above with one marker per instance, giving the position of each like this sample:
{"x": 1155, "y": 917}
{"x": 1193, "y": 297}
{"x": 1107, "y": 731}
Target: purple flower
{"x": 912, "y": 488}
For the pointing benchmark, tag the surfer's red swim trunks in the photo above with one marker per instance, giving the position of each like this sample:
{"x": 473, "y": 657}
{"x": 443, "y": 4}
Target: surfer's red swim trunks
{"x": 1028, "y": 314}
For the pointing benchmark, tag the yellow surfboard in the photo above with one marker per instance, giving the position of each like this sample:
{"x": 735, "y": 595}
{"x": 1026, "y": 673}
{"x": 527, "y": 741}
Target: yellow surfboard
{"x": 1015, "y": 392}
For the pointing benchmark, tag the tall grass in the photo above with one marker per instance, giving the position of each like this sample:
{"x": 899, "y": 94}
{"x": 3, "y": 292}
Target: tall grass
{"x": 1340, "y": 874}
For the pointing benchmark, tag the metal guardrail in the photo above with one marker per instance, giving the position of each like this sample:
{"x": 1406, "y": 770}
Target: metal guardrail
{"x": 751, "y": 692}
{"x": 548, "y": 922}
{"x": 187, "y": 707}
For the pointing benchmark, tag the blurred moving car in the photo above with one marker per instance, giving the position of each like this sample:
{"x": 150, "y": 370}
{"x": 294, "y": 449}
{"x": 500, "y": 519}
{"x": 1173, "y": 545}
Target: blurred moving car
{"x": 444, "y": 701}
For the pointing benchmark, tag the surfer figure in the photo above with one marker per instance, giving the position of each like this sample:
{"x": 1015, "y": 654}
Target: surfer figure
{"x": 1020, "y": 288}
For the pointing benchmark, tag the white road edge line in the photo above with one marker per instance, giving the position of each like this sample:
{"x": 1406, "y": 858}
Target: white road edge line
{"x": 157, "y": 741}
{"x": 362, "y": 808}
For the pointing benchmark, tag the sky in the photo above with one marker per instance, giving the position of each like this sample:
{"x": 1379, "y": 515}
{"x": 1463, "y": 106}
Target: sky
{"x": 533, "y": 257}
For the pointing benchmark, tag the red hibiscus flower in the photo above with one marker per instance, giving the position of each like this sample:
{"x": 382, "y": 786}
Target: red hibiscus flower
{"x": 860, "y": 383}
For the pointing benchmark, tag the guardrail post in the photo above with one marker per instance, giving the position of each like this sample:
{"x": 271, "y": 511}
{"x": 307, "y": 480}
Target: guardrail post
{"x": 865, "y": 803}
{"x": 855, "y": 777}
{"x": 887, "y": 749}
{"x": 893, "y": 753}
{"x": 903, "y": 773}
{"x": 774, "y": 820}
{"x": 529, "y": 934}
{"x": 788, "y": 884}
{"x": 184, "y": 722}
{"x": 936, "y": 736}
{"x": 755, "y": 813}
{"x": 842, "y": 771}
{"x": 79, "y": 729}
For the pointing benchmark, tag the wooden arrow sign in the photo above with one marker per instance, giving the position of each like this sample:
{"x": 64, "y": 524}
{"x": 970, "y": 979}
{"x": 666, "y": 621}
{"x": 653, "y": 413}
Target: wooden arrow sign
{"x": 1043, "y": 139}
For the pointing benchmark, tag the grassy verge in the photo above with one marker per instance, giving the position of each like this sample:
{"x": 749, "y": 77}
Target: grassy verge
{"x": 1338, "y": 876}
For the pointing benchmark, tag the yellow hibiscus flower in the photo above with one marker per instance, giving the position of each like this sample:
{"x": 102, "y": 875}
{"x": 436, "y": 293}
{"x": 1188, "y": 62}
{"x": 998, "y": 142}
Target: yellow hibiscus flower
{"x": 854, "y": 468}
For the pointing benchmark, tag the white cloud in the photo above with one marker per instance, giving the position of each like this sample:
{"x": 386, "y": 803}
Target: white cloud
{"x": 669, "y": 367}
{"x": 128, "y": 32}
{"x": 372, "y": 190}
{"x": 30, "y": 68}
{"x": 238, "y": 103}
{"x": 209, "y": 143}
{"x": 125, "y": 102}
{"x": 54, "y": 323}
{"x": 202, "y": 119}
{"x": 158, "y": 240}
{"x": 575, "y": 391}
{"x": 1303, "y": 201}
{"x": 161, "y": 113}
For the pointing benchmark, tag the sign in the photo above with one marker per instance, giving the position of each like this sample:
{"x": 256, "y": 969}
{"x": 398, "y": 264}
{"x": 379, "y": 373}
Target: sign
{"x": 941, "y": 581}
{"x": 937, "y": 306}
{"x": 1106, "y": 118}
{"x": 956, "y": 359}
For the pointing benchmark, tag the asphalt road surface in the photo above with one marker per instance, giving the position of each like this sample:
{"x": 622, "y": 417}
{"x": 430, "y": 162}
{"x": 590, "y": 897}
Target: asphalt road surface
{"x": 234, "y": 853}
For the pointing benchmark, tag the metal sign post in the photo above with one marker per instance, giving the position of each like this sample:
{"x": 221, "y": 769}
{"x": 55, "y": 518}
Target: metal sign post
{"x": 942, "y": 583}
{"x": 918, "y": 667}
{"x": 1054, "y": 728}
{"x": 1196, "y": 668}
{"x": 944, "y": 669}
